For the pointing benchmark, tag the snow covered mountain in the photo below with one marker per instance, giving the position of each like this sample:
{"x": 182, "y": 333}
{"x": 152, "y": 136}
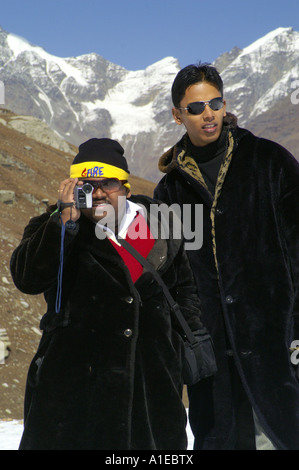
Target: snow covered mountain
{"x": 88, "y": 96}
{"x": 262, "y": 74}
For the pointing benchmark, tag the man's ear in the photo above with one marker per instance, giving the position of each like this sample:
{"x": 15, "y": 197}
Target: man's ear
{"x": 177, "y": 116}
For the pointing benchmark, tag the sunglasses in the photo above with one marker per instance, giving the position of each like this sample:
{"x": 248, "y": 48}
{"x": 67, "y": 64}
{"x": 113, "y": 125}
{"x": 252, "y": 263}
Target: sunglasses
{"x": 108, "y": 185}
{"x": 198, "y": 106}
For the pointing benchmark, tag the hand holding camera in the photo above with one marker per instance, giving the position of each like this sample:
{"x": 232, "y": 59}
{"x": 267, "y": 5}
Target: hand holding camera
{"x": 66, "y": 195}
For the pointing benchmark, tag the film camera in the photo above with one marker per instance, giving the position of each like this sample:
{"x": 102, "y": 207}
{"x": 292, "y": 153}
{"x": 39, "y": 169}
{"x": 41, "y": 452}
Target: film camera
{"x": 83, "y": 196}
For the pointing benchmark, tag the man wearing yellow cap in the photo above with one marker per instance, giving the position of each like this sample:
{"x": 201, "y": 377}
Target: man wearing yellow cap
{"x": 102, "y": 164}
{"x": 107, "y": 373}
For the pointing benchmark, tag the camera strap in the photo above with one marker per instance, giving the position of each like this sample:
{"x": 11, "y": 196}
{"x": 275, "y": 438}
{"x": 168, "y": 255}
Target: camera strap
{"x": 60, "y": 270}
{"x": 173, "y": 304}
{"x": 62, "y": 205}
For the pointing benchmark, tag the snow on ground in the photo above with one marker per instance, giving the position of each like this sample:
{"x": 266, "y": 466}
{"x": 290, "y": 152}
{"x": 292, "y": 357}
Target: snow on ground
{"x": 11, "y": 433}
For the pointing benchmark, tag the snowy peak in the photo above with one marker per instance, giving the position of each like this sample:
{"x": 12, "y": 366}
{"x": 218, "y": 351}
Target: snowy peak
{"x": 19, "y": 46}
{"x": 262, "y": 74}
{"x": 88, "y": 96}
{"x": 272, "y": 38}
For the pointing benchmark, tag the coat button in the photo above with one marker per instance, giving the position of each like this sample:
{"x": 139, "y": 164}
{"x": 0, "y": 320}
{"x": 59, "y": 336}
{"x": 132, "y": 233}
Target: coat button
{"x": 229, "y": 352}
{"x": 229, "y": 299}
{"x": 246, "y": 353}
{"x": 128, "y": 299}
{"x": 219, "y": 211}
{"x": 128, "y": 332}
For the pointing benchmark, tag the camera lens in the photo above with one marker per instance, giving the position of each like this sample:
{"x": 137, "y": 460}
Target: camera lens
{"x": 87, "y": 188}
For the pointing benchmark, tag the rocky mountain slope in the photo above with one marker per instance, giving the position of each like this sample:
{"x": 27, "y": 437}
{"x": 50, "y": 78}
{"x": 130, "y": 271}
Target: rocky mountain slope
{"x": 262, "y": 86}
{"x": 30, "y": 172}
{"x": 261, "y": 75}
{"x": 88, "y": 96}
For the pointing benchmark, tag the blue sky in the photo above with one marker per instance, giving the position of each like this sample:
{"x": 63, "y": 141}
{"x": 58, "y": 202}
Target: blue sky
{"x": 137, "y": 33}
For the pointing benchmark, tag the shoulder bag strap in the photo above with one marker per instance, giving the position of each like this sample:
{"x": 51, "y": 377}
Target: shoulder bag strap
{"x": 173, "y": 304}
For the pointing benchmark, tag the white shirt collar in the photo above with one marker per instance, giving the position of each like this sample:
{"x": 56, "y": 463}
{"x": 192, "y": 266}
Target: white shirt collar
{"x": 132, "y": 209}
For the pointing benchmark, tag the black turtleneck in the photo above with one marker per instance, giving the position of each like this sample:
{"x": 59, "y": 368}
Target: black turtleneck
{"x": 210, "y": 157}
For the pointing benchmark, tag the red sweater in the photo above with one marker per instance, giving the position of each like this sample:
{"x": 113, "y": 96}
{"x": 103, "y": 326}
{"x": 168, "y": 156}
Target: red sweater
{"x": 141, "y": 238}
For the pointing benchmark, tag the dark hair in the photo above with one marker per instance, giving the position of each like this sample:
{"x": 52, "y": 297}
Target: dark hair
{"x": 193, "y": 74}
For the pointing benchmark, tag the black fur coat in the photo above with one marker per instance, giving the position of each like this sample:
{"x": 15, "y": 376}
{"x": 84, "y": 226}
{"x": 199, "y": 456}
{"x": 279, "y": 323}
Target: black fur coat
{"x": 247, "y": 278}
{"x": 107, "y": 374}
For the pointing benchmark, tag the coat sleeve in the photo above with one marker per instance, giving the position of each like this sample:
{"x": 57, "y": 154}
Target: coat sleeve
{"x": 289, "y": 217}
{"x": 35, "y": 262}
{"x": 187, "y": 298}
{"x": 186, "y": 293}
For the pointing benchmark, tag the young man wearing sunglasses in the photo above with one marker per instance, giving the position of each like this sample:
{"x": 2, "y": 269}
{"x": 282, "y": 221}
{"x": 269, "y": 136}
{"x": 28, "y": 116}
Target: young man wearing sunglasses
{"x": 107, "y": 374}
{"x": 246, "y": 271}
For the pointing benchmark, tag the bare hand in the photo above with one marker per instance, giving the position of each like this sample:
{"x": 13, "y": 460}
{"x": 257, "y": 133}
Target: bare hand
{"x": 66, "y": 194}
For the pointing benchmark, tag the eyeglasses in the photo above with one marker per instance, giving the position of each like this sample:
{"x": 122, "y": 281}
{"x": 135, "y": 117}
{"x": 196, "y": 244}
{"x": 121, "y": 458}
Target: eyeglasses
{"x": 108, "y": 185}
{"x": 198, "y": 106}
